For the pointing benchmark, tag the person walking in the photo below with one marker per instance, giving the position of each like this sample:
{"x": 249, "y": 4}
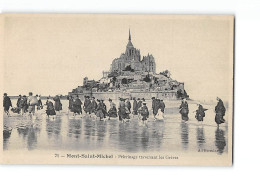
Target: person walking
{"x": 200, "y": 113}
{"x": 70, "y": 108}
{"x": 99, "y": 110}
{"x": 23, "y": 104}
{"x": 87, "y": 105}
{"x": 122, "y": 110}
{"x": 39, "y": 105}
{"x": 18, "y": 104}
{"x": 139, "y": 104}
{"x": 155, "y": 107}
{"x": 7, "y": 104}
{"x": 135, "y": 107}
{"x": 162, "y": 106}
{"x": 50, "y": 110}
{"x": 128, "y": 105}
{"x": 112, "y": 111}
{"x": 93, "y": 105}
{"x": 220, "y": 111}
{"x": 57, "y": 103}
{"x": 77, "y": 106}
{"x": 18, "y": 101}
{"x": 184, "y": 110}
{"x": 32, "y": 101}
{"x": 144, "y": 113}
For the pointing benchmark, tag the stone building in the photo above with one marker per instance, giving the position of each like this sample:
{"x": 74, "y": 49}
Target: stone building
{"x": 132, "y": 58}
{"x": 131, "y": 75}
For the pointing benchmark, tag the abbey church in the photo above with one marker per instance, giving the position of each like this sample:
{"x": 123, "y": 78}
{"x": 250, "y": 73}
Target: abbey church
{"x": 132, "y": 58}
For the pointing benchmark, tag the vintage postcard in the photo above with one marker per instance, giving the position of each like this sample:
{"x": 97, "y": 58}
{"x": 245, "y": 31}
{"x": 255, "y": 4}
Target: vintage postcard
{"x": 117, "y": 89}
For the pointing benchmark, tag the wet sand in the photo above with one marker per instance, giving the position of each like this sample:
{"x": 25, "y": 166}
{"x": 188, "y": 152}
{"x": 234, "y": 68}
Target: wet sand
{"x": 66, "y": 132}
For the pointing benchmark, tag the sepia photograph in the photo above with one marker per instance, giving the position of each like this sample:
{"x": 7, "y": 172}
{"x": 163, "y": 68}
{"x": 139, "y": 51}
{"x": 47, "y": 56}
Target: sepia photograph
{"x": 117, "y": 89}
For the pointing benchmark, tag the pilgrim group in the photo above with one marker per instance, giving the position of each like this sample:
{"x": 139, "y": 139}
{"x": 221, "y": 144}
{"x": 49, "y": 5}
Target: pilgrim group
{"x": 29, "y": 104}
{"x": 125, "y": 110}
{"x": 97, "y": 108}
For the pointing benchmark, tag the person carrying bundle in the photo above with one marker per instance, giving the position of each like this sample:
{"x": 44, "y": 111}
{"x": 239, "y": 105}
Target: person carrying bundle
{"x": 200, "y": 113}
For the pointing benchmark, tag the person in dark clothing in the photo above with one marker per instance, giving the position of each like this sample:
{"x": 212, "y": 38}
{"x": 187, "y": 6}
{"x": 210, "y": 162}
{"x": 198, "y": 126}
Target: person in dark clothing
{"x": 70, "y": 108}
{"x": 128, "y": 105}
{"x": 153, "y": 107}
{"x": 156, "y": 107}
{"x": 39, "y": 106}
{"x": 101, "y": 110}
{"x": 112, "y": 111}
{"x": 184, "y": 110}
{"x": 144, "y": 113}
{"x": 50, "y": 108}
{"x": 200, "y": 113}
{"x": 23, "y": 105}
{"x": 7, "y": 104}
{"x": 162, "y": 106}
{"x": 93, "y": 105}
{"x": 57, "y": 104}
{"x": 139, "y": 104}
{"x": 135, "y": 107}
{"x": 18, "y": 101}
{"x": 18, "y": 109}
{"x": 87, "y": 105}
{"x": 77, "y": 106}
{"x": 122, "y": 110}
{"x": 220, "y": 111}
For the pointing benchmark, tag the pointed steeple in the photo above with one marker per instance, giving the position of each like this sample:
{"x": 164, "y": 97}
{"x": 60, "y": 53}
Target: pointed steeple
{"x": 129, "y": 35}
{"x": 129, "y": 45}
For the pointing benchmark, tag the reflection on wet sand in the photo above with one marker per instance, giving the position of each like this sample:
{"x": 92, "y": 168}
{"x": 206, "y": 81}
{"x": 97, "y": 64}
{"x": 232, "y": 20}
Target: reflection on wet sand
{"x": 185, "y": 135}
{"x": 53, "y": 127}
{"x": 65, "y": 132}
{"x": 6, "y": 135}
{"x": 53, "y": 130}
{"x": 74, "y": 128}
{"x": 29, "y": 132}
{"x": 200, "y": 137}
{"x": 220, "y": 140}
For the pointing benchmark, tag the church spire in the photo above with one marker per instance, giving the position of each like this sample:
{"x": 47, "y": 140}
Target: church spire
{"x": 129, "y": 35}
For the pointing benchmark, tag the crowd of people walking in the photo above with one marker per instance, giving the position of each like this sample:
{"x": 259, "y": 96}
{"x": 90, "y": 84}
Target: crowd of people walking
{"x": 98, "y": 109}
{"x": 125, "y": 110}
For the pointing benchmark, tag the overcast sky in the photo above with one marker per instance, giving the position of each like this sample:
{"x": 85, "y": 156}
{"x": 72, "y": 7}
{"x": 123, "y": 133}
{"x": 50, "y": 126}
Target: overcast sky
{"x": 51, "y": 55}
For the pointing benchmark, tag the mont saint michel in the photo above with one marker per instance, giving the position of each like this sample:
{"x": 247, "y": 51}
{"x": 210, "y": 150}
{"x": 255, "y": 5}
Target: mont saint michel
{"x": 118, "y": 89}
{"x": 132, "y": 75}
